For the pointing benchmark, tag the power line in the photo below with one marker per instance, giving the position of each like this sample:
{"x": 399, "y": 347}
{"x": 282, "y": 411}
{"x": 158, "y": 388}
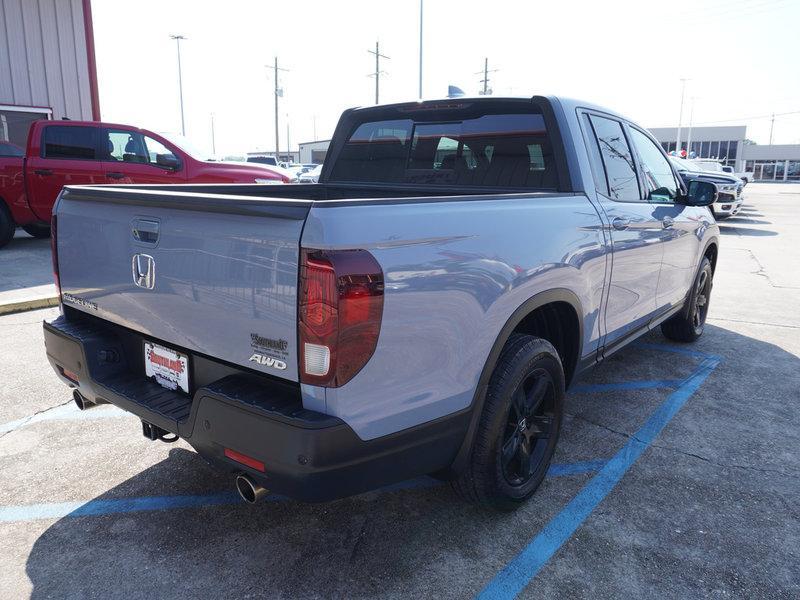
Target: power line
{"x": 377, "y": 74}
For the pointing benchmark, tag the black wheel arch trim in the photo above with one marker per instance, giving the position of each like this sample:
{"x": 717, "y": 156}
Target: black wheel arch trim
{"x": 526, "y": 308}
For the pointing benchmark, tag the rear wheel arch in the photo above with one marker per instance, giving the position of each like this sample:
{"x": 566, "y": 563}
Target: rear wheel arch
{"x": 529, "y": 318}
{"x": 711, "y": 252}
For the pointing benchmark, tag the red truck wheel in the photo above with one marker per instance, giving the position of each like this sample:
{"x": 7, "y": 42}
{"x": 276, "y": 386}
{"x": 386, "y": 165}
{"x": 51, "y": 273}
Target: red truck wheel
{"x": 7, "y": 225}
{"x": 37, "y": 230}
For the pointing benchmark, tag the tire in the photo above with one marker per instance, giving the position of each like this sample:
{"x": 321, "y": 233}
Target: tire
{"x": 519, "y": 426}
{"x": 37, "y": 230}
{"x": 7, "y": 225}
{"x": 688, "y": 325}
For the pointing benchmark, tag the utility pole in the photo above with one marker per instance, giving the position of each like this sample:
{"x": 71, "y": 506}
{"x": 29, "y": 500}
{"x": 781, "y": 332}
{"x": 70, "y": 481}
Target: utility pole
{"x": 420, "y": 49}
{"x": 213, "y": 138}
{"x": 178, "y": 39}
{"x": 314, "y": 121}
{"x": 278, "y": 94}
{"x": 377, "y": 74}
{"x": 771, "y": 127}
{"x": 680, "y": 118}
{"x": 288, "y": 141}
{"x": 485, "y": 81}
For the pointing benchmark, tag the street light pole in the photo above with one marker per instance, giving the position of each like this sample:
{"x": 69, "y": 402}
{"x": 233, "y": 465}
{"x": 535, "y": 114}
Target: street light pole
{"x": 420, "y": 49}
{"x": 213, "y": 138}
{"x": 689, "y": 134}
{"x": 178, "y": 39}
{"x": 680, "y": 118}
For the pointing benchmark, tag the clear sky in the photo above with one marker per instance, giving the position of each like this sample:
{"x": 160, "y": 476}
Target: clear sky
{"x": 742, "y": 58}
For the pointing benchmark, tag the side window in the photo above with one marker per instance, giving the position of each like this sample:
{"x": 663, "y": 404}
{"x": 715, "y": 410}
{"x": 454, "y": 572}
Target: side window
{"x": 77, "y": 143}
{"x": 617, "y": 159}
{"x": 658, "y": 176}
{"x": 155, "y": 149}
{"x": 598, "y": 174}
{"x": 125, "y": 146}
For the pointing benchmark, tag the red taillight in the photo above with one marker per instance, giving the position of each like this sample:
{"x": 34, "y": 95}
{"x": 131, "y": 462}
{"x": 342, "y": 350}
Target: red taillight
{"x": 54, "y": 252}
{"x": 340, "y": 310}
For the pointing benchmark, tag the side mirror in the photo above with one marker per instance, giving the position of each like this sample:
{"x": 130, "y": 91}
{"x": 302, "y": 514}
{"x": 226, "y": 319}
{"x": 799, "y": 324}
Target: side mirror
{"x": 701, "y": 193}
{"x": 168, "y": 161}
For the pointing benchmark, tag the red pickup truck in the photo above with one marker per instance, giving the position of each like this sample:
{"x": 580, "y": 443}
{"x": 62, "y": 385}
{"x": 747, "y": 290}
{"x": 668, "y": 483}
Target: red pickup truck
{"x": 75, "y": 152}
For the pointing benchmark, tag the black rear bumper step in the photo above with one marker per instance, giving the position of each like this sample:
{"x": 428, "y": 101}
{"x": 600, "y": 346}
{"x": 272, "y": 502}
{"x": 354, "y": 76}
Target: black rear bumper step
{"x": 307, "y": 455}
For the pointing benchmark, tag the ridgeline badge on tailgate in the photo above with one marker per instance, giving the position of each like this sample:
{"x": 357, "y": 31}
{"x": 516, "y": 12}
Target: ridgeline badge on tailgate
{"x": 269, "y": 352}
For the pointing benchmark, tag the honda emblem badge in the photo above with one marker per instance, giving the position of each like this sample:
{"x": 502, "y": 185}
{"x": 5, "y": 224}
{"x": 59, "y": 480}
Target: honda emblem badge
{"x": 144, "y": 271}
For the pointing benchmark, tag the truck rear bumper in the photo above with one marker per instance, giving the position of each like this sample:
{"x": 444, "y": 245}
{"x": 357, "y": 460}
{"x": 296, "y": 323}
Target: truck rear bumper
{"x": 306, "y": 455}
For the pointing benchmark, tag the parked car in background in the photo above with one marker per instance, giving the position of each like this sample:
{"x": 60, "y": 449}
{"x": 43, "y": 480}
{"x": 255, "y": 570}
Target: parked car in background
{"x": 263, "y": 160}
{"x": 746, "y": 176}
{"x": 420, "y": 310}
{"x": 730, "y": 199}
{"x": 311, "y": 176}
{"x": 63, "y": 153}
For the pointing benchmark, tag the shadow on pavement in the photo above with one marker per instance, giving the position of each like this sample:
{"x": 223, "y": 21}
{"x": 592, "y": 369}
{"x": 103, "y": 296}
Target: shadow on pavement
{"x": 746, "y": 231}
{"x": 425, "y": 542}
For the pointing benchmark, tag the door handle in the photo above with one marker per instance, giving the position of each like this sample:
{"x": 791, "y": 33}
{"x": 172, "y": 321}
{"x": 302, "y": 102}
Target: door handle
{"x": 43, "y": 172}
{"x": 667, "y": 222}
{"x": 115, "y": 175}
{"x": 620, "y": 224}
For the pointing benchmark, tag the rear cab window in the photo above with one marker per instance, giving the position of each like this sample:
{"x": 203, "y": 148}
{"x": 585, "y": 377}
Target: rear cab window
{"x": 69, "y": 142}
{"x": 479, "y": 146}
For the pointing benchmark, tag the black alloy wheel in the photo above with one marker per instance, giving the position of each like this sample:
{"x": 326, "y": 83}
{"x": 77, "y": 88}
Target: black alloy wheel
{"x": 530, "y": 421}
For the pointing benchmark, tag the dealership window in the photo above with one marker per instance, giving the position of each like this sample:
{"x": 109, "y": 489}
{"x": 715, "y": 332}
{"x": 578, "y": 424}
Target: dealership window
{"x": 793, "y": 170}
{"x": 15, "y": 122}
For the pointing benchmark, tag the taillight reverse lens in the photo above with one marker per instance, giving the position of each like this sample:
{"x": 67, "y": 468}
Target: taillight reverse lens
{"x": 340, "y": 310}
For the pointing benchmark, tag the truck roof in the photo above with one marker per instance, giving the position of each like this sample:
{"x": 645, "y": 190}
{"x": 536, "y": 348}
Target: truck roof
{"x": 567, "y": 103}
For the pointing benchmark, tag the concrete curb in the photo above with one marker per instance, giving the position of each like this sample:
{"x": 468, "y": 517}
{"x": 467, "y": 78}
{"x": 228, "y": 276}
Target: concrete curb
{"x": 7, "y": 308}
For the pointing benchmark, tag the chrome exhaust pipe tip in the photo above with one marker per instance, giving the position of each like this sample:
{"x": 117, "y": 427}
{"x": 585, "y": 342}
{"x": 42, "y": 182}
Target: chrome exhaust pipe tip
{"x": 81, "y": 402}
{"x": 249, "y": 490}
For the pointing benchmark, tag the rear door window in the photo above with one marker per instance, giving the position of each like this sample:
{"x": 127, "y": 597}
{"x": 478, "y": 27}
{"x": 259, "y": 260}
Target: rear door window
{"x": 617, "y": 159}
{"x": 508, "y": 150}
{"x": 70, "y": 142}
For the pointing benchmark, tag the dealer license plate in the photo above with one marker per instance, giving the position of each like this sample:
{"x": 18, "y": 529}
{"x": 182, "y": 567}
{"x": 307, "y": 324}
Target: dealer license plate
{"x": 169, "y": 368}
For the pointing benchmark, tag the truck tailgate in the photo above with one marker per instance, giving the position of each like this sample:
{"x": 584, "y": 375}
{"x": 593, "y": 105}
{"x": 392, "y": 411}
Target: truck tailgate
{"x": 211, "y": 274}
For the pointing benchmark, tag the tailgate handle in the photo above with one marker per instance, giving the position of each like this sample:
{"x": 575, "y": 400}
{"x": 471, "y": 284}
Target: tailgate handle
{"x": 145, "y": 231}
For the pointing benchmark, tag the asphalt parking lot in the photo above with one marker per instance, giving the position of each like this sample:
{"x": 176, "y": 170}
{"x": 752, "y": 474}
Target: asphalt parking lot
{"x": 677, "y": 475}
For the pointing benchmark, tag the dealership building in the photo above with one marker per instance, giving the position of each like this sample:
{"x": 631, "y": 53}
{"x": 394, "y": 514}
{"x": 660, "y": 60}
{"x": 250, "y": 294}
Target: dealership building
{"x": 773, "y": 162}
{"x": 47, "y": 65}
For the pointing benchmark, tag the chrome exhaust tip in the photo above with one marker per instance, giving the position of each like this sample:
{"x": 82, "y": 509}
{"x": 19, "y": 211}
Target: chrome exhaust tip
{"x": 249, "y": 490}
{"x": 81, "y": 402}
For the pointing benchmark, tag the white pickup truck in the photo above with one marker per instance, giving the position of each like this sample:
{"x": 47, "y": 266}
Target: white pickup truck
{"x": 746, "y": 176}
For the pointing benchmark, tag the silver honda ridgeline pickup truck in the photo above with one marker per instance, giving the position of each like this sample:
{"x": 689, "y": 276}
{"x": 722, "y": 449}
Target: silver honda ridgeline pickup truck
{"x": 421, "y": 310}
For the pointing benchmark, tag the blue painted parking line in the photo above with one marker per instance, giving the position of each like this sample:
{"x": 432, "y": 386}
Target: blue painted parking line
{"x": 66, "y": 412}
{"x": 95, "y": 508}
{"x": 526, "y": 565}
